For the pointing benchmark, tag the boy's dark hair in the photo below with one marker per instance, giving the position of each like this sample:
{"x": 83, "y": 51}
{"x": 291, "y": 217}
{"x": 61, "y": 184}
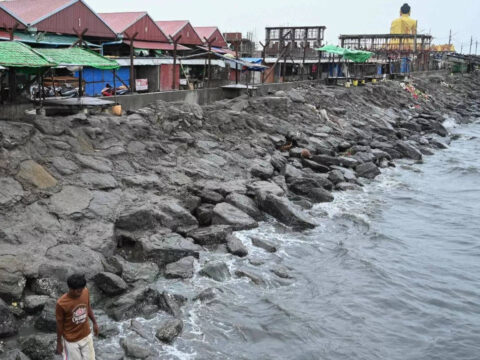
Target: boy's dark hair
{"x": 76, "y": 281}
{"x": 405, "y": 9}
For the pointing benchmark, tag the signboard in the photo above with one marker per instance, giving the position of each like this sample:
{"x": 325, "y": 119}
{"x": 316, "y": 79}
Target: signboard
{"x": 183, "y": 81}
{"x": 141, "y": 84}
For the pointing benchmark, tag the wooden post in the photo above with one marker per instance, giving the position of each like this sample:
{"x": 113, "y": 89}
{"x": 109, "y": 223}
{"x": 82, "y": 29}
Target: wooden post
{"x": 236, "y": 64}
{"x": 263, "y": 58}
{"x": 115, "y": 86}
{"x": 304, "y": 45}
{"x": 80, "y": 82}
{"x": 209, "y": 42}
{"x": 175, "y": 43}
{"x": 132, "y": 66}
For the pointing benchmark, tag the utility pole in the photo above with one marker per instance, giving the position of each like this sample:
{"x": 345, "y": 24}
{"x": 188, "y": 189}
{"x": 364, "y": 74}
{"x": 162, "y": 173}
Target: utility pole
{"x": 471, "y": 42}
{"x": 450, "y": 38}
{"x": 461, "y": 49}
{"x": 476, "y": 47}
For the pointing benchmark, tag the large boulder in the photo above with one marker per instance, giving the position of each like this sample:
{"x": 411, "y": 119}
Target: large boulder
{"x": 216, "y": 270}
{"x": 265, "y": 187}
{"x": 70, "y": 200}
{"x": 167, "y": 248}
{"x": 204, "y": 214}
{"x": 181, "y": 269}
{"x": 12, "y": 281}
{"x": 212, "y": 235}
{"x": 235, "y": 246}
{"x": 132, "y": 272}
{"x": 284, "y": 211}
{"x": 262, "y": 169}
{"x": 10, "y": 192}
{"x": 310, "y": 188}
{"x": 36, "y": 175}
{"x": 160, "y": 212}
{"x": 39, "y": 347}
{"x": 136, "y": 348}
{"x": 95, "y": 163}
{"x": 14, "y": 355}
{"x": 143, "y": 301}
{"x": 35, "y": 303}
{"x": 8, "y": 323}
{"x": 408, "y": 150}
{"x": 110, "y": 284}
{"x": 227, "y": 214}
{"x": 46, "y": 321}
{"x": 367, "y": 170}
{"x": 246, "y": 204}
{"x": 264, "y": 244}
{"x": 169, "y": 330}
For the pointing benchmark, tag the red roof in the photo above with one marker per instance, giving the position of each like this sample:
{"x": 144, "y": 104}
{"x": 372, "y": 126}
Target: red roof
{"x": 121, "y": 21}
{"x": 155, "y": 45}
{"x": 205, "y": 31}
{"x": 211, "y": 32}
{"x": 171, "y": 28}
{"x": 33, "y": 11}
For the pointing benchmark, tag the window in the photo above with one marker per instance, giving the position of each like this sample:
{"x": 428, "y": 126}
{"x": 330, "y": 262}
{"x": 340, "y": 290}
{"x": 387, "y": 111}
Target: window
{"x": 312, "y": 33}
{"x": 299, "y": 34}
{"x": 274, "y": 34}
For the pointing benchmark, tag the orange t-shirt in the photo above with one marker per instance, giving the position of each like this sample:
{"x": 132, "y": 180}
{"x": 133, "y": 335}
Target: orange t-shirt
{"x": 74, "y": 315}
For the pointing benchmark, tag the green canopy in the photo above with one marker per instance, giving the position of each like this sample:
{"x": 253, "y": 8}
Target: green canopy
{"x": 18, "y": 55}
{"x": 357, "y": 56}
{"x": 45, "y": 39}
{"x": 78, "y": 57}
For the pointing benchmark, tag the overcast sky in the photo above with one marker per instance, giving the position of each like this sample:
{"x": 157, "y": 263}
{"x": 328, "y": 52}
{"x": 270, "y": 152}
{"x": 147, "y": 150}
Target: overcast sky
{"x": 339, "y": 16}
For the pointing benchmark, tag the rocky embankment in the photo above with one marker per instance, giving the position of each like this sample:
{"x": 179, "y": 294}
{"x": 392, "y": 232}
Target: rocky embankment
{"x": 128, "y": 199}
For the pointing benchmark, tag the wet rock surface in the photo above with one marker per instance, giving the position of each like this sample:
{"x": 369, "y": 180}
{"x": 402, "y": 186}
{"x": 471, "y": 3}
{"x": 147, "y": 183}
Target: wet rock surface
{"x": 128, "y": 200}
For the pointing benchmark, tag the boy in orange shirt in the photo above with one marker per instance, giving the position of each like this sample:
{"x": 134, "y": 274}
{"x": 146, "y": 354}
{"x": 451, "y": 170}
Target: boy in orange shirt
{"x": 74, "y": 339}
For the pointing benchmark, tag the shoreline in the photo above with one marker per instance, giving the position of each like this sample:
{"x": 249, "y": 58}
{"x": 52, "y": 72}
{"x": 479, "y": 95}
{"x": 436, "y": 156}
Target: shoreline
{"x": 143, "y": 195}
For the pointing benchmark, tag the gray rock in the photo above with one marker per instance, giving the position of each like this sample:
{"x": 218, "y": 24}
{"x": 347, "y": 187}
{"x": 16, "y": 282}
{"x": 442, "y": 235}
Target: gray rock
{"x": 8, "y": 323}
{"x": 48, "y": 286}
{"x": 312, "y": 188}
{"x": 34, "y": 303}
{"x": 345, "y": 186}
{"x": 46, "y": 321}
{"x": 208, "y": 294}
{"x": 15, "y": 134}
{"x": 336, "y": 176}
{"x": 14, "y": 355}
{"x": 262, "y": 170}
{"x": 171, "y": 303}
{"x": 70, "y": 200}
{"x": 367, "y": 170}
{"x": 10, "y": 192}
{"x": 284, "y": 211}
{"x": 145, "y": 271}
{"x": 64, "y": 166}
{"x": 110, "y": 284}
{"x": 236, "y": 247}
{"x": 164, "y": 212}
{"x": 169, "y": 330}
{"x": 256, "y": 279}
{"x": 140, "y": 329}
{"x": 281, "y": 272}
{"x": 167, "y": 248}
{"x": 12, "y": 281}
{"x": 265, "y": 187}
{"x": 95, "y": 163}
{"x": 210, "y": 196}
{"x": 98, "y": 236}
{"x": 245, "y": 204}
{"x": 315, "y": 166}
{"x": 216, "y": 270}
{"x": 108, "y": 330}
{"x": 143, "y": 301}
{"x": 51, "y": 125}
{"x": 278, "y": 161}
{"x": 330, "y": 160}
{"x": 144, "y": 181}
{"x": 264, "y": 244}
{"x": 99, "y": 181}
{"x": 181, "y": 269}
{"x": 36, "y": 175}
{"x": 408, "y": 150}
{"x": 296, "y": 97}
{"x": 212, "y": 235}
{"x": 135, "y": 348}
{"x": 204, "y": 214}
{"x": 227, "y": 214}
{"x": 39, "y": 347}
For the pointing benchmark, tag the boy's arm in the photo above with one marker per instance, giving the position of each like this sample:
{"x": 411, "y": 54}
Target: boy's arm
{"x": 92, "y": 317}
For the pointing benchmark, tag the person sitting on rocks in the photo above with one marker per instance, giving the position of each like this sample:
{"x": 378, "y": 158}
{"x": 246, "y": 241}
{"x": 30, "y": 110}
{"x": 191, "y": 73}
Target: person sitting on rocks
{"x": 74, "y": 338}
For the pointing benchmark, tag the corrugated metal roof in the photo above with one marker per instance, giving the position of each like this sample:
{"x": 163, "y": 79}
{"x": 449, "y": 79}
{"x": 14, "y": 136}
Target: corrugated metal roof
{"x": 205, "y": 31}
{"x": 8, "y": 18}
{"x": 155, "y": 45}
{"x": 43, "y": 38}
{"x": 171, "y": 28}
{"x": 121, "y": 21}
{"x": 16, "y": 54}
{"x": 78, "y": 57}
{"x": 32, "y": 11}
